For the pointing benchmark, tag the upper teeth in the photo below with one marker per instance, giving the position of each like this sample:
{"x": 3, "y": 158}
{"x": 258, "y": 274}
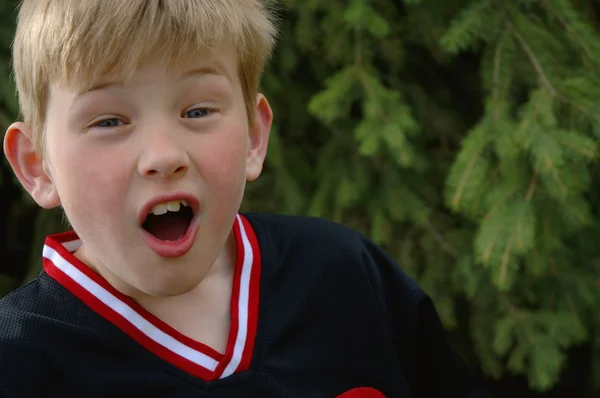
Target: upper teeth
{"x": 162, "y": 208}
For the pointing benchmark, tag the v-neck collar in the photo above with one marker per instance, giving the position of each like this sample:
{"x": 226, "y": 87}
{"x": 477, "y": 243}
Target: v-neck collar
{"x": 156, "y": 336}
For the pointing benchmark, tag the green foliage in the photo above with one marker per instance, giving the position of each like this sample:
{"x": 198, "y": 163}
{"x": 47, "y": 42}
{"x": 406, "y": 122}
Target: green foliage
{"x": 461, "y": 135}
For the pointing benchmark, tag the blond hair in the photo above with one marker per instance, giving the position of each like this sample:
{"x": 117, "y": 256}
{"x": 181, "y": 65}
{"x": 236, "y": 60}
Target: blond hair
{"x": 76, "y": 42}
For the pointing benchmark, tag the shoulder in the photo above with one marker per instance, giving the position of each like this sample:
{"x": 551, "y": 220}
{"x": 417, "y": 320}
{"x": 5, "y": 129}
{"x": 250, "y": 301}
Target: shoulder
{"x": 302, "y": 228}
{"x": 28, "y": 312}
{"x": 308, "y": 241}
{"x": 17, "y": 307}
{"x": 38, "y": 317}
{"x": 22, "y": 339}
{"x": 323, "y": 243}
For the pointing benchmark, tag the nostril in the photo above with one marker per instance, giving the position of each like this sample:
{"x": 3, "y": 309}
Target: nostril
{"x": 164, "y": 169}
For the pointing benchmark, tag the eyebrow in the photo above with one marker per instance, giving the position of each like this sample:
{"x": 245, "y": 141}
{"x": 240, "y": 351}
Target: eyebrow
{"x": 206, "y": 70}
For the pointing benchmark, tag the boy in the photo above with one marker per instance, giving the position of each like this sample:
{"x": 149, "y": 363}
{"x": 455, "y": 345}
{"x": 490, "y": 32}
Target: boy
{"x": 143, "y": 121}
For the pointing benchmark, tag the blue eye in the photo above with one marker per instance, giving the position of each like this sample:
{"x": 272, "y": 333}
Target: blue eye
{"x": 109, "y": 123}
{"x": 197, "y": 113}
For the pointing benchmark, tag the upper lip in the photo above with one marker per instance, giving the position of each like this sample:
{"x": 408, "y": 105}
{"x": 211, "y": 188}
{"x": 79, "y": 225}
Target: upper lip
{"x": 191, "y": 200}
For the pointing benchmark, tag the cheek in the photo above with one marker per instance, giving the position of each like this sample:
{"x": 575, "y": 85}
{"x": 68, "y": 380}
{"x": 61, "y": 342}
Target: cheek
{"x": 89, "y": 185}
{"x": 224, "y": 162}
{"x": 225, "y": 173}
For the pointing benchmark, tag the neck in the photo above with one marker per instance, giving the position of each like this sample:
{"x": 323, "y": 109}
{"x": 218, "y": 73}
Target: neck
{"x": 215, "y": 284}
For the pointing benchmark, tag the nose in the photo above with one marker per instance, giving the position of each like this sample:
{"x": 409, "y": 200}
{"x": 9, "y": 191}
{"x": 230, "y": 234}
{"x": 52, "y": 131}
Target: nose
{"x": 163, "y": 157}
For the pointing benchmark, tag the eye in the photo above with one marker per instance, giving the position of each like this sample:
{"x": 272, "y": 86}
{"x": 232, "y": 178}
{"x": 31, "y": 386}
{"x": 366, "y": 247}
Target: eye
{"x": 197, "y": 113}
{"x": 109, "y": 123}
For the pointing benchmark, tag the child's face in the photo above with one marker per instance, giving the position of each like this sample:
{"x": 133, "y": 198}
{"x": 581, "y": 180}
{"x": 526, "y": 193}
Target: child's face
{"x": 114, "y": 152}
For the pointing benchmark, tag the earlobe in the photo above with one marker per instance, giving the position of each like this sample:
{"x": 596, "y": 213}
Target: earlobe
{"x": 259, "y": 138}
{"x": 28, "y": 165}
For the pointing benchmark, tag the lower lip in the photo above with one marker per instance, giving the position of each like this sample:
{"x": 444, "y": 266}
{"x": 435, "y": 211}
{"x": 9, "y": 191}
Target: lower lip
{"x": 172, "y": 249}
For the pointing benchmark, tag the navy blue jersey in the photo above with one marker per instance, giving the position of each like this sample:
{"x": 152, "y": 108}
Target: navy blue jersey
{"x": 317, "y": 311}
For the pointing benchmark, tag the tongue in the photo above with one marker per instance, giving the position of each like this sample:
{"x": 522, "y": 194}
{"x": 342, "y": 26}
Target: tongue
{"x": 168, "y": 227}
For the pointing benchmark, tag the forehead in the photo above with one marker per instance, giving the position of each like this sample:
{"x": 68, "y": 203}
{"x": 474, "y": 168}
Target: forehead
{"x": 219, "y": 61}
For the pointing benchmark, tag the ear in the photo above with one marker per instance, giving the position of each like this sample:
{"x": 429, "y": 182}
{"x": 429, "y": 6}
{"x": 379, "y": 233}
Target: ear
{"x": 28, "y": 166}
{"x": 259, "y": 138}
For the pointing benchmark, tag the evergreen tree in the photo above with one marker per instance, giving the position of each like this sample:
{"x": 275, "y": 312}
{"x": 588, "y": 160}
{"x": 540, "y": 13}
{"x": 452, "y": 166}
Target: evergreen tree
{"x": 461, "y": 135}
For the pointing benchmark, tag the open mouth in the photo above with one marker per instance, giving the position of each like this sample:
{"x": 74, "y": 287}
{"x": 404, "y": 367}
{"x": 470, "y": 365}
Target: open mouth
{"x": 169, "y": 221}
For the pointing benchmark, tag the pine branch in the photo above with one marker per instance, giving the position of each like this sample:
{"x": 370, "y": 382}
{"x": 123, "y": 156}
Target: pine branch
{"x": 499, "y": 204}
{"x": 467, "y": 174}
{"x": 358, "y": 61}
{"x": 544, "y": 78}
{"x": 438, "y": 237}
{"x": 569, "y": 28}
{"x": 504, "y": 265}
{"x": 496, "y": 78}
{"x": 532, "y": 188}
{"x": 581, "y": 108}
{"x": 532, "y": 58}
